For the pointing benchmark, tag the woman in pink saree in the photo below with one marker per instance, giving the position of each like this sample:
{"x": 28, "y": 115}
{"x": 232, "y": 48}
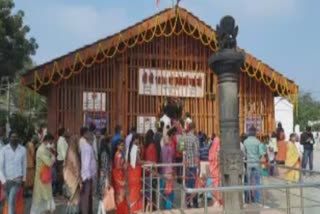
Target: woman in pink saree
{"x": 214, "y": 167}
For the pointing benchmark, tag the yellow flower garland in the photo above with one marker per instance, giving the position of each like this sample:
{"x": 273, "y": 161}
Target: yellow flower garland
{"x": 276, "y": 83}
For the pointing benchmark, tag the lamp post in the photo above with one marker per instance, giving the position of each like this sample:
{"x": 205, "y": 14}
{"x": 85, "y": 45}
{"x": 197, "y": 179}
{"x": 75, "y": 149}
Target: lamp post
{"x": 226, "y": 64}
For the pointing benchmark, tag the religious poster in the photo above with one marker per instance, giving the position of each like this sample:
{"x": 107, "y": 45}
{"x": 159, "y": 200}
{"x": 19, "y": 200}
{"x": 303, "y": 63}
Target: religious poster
{"x": 171, "y": 83}
{"x": 145, "y": 123}
{"x": 255, "y": 121}
{"x": 94, "y": 101}
{"x": 98, "y": 119}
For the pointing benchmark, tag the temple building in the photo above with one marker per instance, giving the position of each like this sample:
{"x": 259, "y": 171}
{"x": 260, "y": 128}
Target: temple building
{"x": 125, "y": 78}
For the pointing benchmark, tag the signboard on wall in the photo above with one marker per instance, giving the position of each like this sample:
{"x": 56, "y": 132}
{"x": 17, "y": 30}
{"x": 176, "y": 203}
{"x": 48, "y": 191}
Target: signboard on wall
{"x": 255, "y": 121}
{"x": 145, "y": 123}
{"x": 98, "y": 119}
{"x": 94, "y": 101}
{"x": 171, "y": 83}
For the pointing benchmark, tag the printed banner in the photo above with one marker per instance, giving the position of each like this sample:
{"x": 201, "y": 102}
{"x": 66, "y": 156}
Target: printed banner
{"x": 171, "y": 83}
{"x": 99, "y": 120}
{"x": 94, "y": 101}
{"x": 255, "y": 121}
{"x": 146, "y": 123}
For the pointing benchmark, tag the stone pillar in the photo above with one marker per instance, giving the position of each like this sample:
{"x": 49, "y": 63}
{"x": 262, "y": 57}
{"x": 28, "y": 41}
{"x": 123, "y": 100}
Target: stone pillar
{"x": 226, "y": 64}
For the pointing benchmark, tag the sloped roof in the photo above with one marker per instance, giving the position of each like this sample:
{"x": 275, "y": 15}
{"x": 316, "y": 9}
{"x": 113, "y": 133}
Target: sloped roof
{"x": 108, "y": 47}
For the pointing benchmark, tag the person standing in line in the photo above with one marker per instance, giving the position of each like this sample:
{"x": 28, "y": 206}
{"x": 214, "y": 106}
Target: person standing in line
{"x": 192, "y": 161}
{"x": 115, "y": 140}
{"x": 307, "y": 140}
{"x": 272, "y": 149}
{"x": 292, "y": 160}
{"x": 31, "y": 160}
{"x": 214, "y": 167}
{"x": 72, "y": 174}
{"x": 253, "y": 154}
{"x": 93, "y": 140}
{"x": 157, "y": 140}
{"x": 134, "y": 175}
{"x": 299, "y": 148}
{"x": 42, "y": 199}
{"x": 62, "y": 147}
{"x": 132, "y": 132}
{"x": 88, "y": 171}
{"x": 282, "y": 153}
{"x": 264, "y": 155}
{"x": 105, "y": 167}
{"x": 167, "y": 156}
{"x": 119, "y": 179}
{"x": 204, "y": 157}
{"x": 151, "y": 156}
{"x": 13, "y": 169}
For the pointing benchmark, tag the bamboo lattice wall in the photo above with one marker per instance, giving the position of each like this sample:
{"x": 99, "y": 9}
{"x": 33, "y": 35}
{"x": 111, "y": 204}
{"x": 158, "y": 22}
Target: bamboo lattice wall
{"x": 118, "y": 78}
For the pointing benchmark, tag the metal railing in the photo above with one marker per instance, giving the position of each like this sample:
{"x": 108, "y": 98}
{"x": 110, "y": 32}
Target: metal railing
{"x": 151, "y": 172}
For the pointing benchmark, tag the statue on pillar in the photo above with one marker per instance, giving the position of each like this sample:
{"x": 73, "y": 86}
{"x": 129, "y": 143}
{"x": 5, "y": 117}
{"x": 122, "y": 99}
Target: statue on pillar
{"x": 226, "y": 64}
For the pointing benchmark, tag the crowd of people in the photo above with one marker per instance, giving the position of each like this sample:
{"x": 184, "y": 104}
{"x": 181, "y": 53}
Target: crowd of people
{"x": 274, "y": 156}
{"x": 87, "y": 166}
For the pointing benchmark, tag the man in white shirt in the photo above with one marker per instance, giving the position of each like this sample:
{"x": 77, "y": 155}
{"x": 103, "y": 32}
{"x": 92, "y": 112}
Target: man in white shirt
{"x": 13, "y": 167}
{"x": 62, "y": 147}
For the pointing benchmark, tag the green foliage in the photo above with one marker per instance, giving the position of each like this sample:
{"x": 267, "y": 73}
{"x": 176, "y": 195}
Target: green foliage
{"x": 15, "y": 47}
{"x": 33, "y": 103}
{"x": 3, "y": 118}
{"x": 308, "y": 110}
{"x": 23, "y": 125}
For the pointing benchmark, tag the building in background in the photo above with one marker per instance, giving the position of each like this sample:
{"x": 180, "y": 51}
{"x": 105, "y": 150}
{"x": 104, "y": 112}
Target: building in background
{"x": 125, "y": 78}
{"x": 284, "y": 111}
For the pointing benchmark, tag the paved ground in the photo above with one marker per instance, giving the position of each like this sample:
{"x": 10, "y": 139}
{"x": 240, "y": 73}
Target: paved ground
{"x": 275, "y": 199}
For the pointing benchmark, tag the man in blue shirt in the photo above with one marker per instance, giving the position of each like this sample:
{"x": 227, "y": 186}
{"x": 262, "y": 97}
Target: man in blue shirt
{"x": 115, "y": 140}
{"x": 253, "y": 154}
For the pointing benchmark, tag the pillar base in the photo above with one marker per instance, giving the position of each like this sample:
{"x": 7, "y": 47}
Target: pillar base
{"x": 232, "y": 170}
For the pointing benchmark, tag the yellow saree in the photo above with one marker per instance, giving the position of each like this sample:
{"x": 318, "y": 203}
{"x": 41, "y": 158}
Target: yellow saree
{"x": 292, "y": 160}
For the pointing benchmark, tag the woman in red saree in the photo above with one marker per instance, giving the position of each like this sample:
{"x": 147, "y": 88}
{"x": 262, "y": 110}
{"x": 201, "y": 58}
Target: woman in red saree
{"x": 119, "y": 180}
{"x": 134, "y": 176}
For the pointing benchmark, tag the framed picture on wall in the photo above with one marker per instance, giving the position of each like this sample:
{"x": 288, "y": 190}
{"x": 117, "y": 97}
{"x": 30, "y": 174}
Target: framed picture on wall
{"x": 99, "y": 119}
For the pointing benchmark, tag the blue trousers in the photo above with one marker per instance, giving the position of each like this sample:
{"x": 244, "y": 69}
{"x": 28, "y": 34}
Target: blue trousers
{"x": 307, "y": 157}
{"x": 191, "y": 176}
{"x": 254, "y": 179}
{"x": 11, "y": 194}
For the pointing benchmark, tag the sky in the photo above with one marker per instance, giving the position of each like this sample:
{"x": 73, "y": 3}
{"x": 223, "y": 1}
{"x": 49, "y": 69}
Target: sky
{"x": 285, "y": 34}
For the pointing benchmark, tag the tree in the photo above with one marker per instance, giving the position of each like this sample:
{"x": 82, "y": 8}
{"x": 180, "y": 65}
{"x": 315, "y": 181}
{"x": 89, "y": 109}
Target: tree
{"x": 308, "y": 110}
{"x": 15, "y": 47}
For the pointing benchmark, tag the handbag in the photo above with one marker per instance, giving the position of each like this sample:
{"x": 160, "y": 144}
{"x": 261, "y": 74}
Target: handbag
{"x": 45, "y": 174}
{"x": 109, "y": 202}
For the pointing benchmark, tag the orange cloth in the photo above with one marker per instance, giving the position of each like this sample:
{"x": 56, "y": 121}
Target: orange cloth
{"x": 118, "y": 175}
{"x": 282, "y": 150}
{"x": 19, "y": 204}
{"x": 134, "y": 182}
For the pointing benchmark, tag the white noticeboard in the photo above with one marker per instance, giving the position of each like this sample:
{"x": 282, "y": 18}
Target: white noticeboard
{"x": 171, "y": 83}
{"x": 94, "y": 101}
{"x": 146, "y": 123}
